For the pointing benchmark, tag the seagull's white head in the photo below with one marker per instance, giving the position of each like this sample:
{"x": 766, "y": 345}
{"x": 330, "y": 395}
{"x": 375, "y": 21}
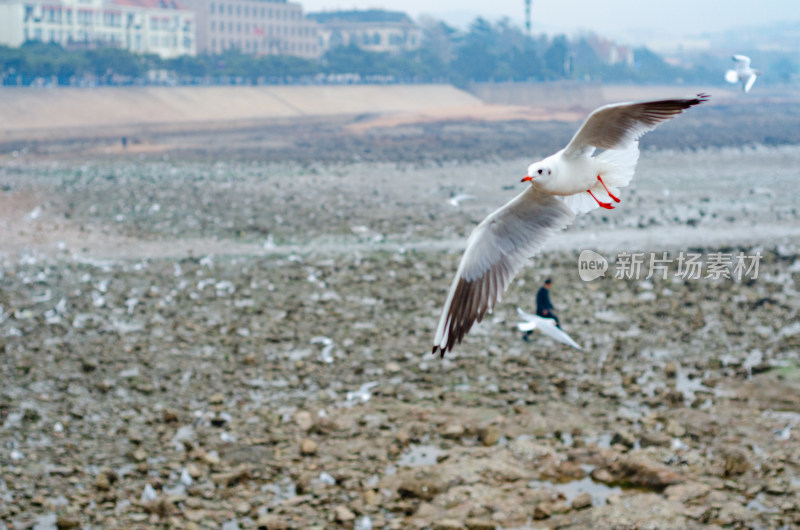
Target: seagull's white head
{"x": 539, "y": 171}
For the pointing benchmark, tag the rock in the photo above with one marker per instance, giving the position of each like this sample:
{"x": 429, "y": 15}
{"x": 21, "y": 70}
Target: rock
{"x": 229, "y": 478}
{"x": 372, "y": 498}
{"x": 250, "y": 359}
{"x": 655, "y": 439}
{"x": 670, "y": 369}
{"x": 684, "y": 493}
{"x": 674, "y": 429}
{"x": 193, "y": 470}
{"x": 623, "y": 438}
{"x": 489, "y": 435}
{"x": 602, "y": 475}
{"x": 542, "y": 511}
{"x": 480, "y": 524}
{"x": 448, "y": 524}
{"x": 733, "y": 513}
{"x": 642, "y": 472}
{"x": 343, "y": 514}
{"x": 402, "y": 437}
{"x": 65, "y": 522}
{"x": 419, "y": 489}
{"x": 105, "y": 479}
{"x": 195, "y": 516}
{"x": 674, "y": 398}
{"x": 242, "y": 508}
{"x": 308, "y": 447}
{"x": 271, "y": 522}
{"x": 566, "y": 471}
{"x": 304, "y": 420}
{"x": 211, "y": 459}
{"x": 216, "y": 399}
{"x": 452, "y": 430}
{"x": 392, "y": 367}
{"x": 735, "y": 461}
{"x": 581, "y": 501}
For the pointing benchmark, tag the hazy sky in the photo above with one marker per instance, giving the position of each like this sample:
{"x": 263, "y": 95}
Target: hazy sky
{"x": 628, "y": 19}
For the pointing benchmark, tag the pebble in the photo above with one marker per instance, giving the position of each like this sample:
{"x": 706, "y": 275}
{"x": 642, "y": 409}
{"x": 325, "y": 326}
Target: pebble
{"x": 308, "y": 447}
{"x": 448, "y": 524}
{"x": 304, "y": 420}
{"x": 480, "y": 524}
{"x": 735, "y": 460}
{"x": 489, "y": 435}
{"x": 452, "y": 430}
{"x": 581, "y": 501}
{"x": 542, "y": 511}
{"x": 343, "y": 514}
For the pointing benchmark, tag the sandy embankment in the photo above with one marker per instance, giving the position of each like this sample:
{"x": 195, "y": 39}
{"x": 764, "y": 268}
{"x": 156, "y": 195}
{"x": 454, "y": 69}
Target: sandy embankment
{"x": 66, "y": 113}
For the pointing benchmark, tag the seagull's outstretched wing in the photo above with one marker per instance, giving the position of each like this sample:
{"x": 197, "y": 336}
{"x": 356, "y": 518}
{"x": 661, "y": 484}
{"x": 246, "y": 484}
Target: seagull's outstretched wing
{"x": 749, "y": 84}
{"x": 546, "y": 326}
{"x": 497, "y": 249}
{"x": 617, "y": 126}
{"x": 742, "y": 61}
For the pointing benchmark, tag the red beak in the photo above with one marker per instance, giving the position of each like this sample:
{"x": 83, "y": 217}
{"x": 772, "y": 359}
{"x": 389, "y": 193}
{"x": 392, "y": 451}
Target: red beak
{"x": 526, "y": 178}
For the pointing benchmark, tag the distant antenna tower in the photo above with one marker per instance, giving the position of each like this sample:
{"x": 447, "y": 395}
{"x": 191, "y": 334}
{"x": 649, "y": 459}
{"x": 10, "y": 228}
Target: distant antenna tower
{"x": 528, "y": 16}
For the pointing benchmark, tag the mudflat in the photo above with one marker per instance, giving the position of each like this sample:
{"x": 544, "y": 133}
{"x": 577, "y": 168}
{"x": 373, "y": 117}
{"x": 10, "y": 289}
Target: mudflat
{"x": 233, "y": 329}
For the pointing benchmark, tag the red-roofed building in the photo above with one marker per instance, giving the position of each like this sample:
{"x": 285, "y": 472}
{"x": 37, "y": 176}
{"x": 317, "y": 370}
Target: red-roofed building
{"x": 162, "y": 27}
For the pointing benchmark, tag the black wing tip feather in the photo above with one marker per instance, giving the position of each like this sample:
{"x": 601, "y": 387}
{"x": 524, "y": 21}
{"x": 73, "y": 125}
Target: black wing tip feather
{"x": 462, "y": 316}
{"x": 702, "y": 97}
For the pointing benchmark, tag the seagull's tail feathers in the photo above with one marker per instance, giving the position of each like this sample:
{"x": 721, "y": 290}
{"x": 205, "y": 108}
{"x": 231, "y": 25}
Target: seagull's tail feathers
{"x": 617, "y": 168}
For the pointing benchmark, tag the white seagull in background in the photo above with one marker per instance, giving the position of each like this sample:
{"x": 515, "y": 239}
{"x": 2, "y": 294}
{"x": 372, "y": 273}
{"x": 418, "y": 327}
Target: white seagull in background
{"x": 742, "y": 73}
{"x": 545, "y": 325}
{"x": 569, "y": 182}
{"x": 456, "y": 200}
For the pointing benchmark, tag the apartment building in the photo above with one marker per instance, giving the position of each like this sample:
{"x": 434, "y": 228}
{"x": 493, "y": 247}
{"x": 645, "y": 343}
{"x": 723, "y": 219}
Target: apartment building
{"x": 259, "y": 27}
{"x": 162, "y": 27}
{"x": 374, "y": 30}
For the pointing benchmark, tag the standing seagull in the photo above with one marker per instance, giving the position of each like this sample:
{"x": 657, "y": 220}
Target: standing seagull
{"x": 569, "y": 182}
{"x": 742, "y": 73}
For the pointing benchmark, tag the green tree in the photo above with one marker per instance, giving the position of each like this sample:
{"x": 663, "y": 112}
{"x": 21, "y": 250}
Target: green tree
{"x": 555, "y": 58}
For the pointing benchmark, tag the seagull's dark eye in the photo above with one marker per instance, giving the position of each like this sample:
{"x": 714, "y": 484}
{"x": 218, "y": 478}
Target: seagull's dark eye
{"x": 540, "y": 171}
{"x": 548, "y": 171}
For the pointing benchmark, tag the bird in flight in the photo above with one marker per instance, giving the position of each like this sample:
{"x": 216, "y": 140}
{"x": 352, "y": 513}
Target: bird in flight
{"x": 567, "y": 183}
{"x": 742, "y": 73}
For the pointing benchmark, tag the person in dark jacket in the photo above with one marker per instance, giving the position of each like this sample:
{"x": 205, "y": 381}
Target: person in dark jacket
{"x": 544, "y": 308}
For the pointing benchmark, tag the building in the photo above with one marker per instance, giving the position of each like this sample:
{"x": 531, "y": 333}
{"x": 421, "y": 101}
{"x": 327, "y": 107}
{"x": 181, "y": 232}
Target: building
{"x": 373, "y": 30}
{"x": 610, "y": 52}
{"x": 259, "y": 27}
{"x": 162, "y": 27}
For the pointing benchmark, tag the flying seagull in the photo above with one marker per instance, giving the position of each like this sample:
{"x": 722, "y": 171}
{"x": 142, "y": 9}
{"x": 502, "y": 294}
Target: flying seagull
{"x": 457, "y": 199}
{"x": 545, "y": 325}
{"x": 569, "y": 182}
{"x": 742, "y": 73}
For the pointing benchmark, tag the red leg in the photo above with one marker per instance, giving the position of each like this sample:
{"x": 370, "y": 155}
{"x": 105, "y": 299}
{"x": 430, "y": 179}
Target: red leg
{"x": 606, "y": 205}
{"x": 604, "y": 186}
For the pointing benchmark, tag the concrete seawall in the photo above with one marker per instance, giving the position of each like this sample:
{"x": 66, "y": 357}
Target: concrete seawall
{"x": 24, "y": 111}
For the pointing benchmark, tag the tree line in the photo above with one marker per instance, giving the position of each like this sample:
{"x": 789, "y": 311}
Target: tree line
{"x": 484, "y": 52}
